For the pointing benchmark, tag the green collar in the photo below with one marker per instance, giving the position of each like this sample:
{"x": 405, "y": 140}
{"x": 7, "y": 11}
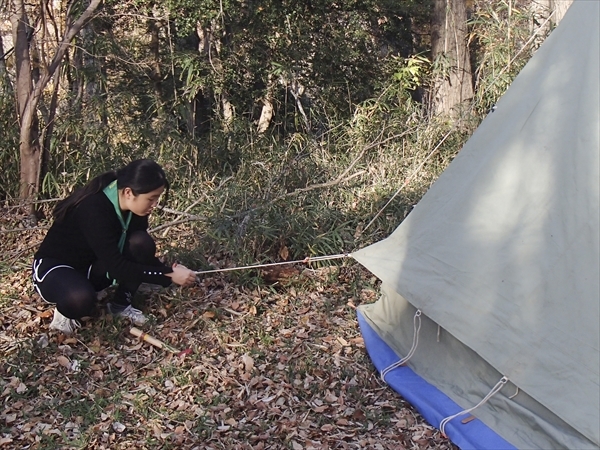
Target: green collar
{"x": 112, "y": 193}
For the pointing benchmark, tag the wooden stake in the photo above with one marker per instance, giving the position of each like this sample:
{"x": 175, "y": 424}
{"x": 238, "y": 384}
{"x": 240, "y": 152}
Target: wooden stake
{"x": 151, "y": 340}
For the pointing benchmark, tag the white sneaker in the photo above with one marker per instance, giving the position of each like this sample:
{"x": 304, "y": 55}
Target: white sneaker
{"x": 131, "y": 313}
{"x": 62, "y": 323}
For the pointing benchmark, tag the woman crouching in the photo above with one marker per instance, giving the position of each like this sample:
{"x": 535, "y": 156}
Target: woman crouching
{"x": 98, "y": 238}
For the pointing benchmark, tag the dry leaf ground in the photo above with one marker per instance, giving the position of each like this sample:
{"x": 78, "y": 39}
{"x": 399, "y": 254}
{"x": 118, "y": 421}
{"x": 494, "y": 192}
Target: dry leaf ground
{"x": 277, "y": 367}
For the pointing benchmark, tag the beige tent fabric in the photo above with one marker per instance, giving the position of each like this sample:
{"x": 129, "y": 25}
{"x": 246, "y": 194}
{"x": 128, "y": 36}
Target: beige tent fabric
{"x": 503, "y": 251}
{"x": 465, "y": 377}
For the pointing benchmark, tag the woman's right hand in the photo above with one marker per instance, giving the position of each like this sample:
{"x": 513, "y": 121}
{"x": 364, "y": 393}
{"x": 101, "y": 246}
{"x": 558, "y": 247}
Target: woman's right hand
{"x": 181, "y": 275}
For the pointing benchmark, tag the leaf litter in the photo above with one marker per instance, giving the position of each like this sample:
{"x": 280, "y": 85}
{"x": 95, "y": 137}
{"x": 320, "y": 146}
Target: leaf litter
{"x": 282, "y": 366}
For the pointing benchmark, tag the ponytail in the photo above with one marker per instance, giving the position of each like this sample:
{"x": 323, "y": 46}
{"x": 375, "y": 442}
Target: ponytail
{"x": 141, "y": 176}
{"x": 94, "y": 186}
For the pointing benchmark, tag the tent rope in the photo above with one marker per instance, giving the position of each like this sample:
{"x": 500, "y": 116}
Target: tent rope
{"x": 411, "y": 177}
{"x": 499, "y": 385}
{"x": 416, "y": 329}
{"x": 307, "y": 260}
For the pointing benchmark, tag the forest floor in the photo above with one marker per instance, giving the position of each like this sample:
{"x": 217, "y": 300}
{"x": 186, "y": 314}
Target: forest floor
{"x": 281, "y": 366}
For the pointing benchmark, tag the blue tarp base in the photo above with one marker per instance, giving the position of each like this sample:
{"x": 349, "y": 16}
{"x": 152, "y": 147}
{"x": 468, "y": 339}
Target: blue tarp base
{"x": 431, "y": 403}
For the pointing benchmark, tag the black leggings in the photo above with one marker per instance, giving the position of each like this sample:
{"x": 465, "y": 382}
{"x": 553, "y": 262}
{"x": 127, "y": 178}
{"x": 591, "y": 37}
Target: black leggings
{"x": 74, "y": 291}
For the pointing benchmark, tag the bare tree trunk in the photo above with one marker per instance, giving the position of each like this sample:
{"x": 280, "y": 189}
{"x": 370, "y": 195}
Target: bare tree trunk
{"x": 541, "y": 10}
{"x": 91, "y": 87}
{"x": 82, "y": 75}
{"x": 560, "y": 8}
{"x": 210, "y": 47}
{"x": 46, "y": 136}
{"x": 30, "y": 89}
{"x": 154, "y": 27}
{"x": 449, "y": 48}
{"x": 546, "y": 15}
{"x": 29, "y": 149}
{"x": 76, "y": 80}
{"x": 206, "y": 102}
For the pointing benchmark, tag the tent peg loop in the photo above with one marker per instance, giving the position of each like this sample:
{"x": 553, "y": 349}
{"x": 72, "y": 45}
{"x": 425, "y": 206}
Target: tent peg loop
{"x": 416, "y": 329}
{"x": 499, "y": 385}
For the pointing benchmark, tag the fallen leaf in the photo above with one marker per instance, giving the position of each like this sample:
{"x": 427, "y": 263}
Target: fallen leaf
{"x": 343, "y": 342}
{"x": 357, "y": 341}
{"x": 63, "y": 361}
{"x": 284, "y": 253}
{"x": 9, "y": 418}
{"x": 248, "y": 362}
{"x": 330, "y": 398}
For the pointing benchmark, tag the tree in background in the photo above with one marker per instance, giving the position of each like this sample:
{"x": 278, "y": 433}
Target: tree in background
{"x": 453, "y": 85}
{"x": 546, "y": 15}
{"x": 39, "y": 50}
{"x": 197, "y": 82}
{"x": 283, "y": 63}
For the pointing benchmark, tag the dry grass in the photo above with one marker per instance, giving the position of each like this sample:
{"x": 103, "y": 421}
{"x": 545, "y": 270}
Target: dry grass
{"x": 281, "y": 366}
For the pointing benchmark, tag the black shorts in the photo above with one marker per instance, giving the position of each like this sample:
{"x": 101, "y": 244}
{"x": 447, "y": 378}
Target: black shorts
{"x": 45, "y": 269}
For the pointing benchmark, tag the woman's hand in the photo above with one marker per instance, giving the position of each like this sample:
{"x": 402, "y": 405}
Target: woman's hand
{"x": 181, "y": 275}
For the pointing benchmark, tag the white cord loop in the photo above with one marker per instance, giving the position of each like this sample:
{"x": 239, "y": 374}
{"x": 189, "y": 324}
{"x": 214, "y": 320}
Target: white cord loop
{"x": 499, "y": 385}
{"x": 416, "y": 329}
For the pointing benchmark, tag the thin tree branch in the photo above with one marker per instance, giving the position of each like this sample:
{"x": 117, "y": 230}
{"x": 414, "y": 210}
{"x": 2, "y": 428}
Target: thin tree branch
{"x": 342, "y": 178}
{"x": 183, "y": 213}
{"x": 72, "y": 31}
{"x": 176, "y": 222}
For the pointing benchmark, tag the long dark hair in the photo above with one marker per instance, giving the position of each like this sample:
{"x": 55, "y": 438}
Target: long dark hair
{"x": 141, "y": 176}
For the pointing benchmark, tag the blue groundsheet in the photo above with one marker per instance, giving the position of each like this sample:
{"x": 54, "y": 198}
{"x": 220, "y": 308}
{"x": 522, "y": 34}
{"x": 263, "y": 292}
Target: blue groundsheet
{"x": 431, "y": 403}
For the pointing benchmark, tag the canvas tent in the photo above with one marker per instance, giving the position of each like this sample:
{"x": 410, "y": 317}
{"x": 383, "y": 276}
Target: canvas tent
{"x": 494, "y": 275}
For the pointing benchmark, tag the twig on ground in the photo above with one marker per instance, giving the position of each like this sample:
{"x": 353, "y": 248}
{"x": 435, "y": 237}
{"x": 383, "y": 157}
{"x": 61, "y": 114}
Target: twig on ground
{"x": 19, "y": 230}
